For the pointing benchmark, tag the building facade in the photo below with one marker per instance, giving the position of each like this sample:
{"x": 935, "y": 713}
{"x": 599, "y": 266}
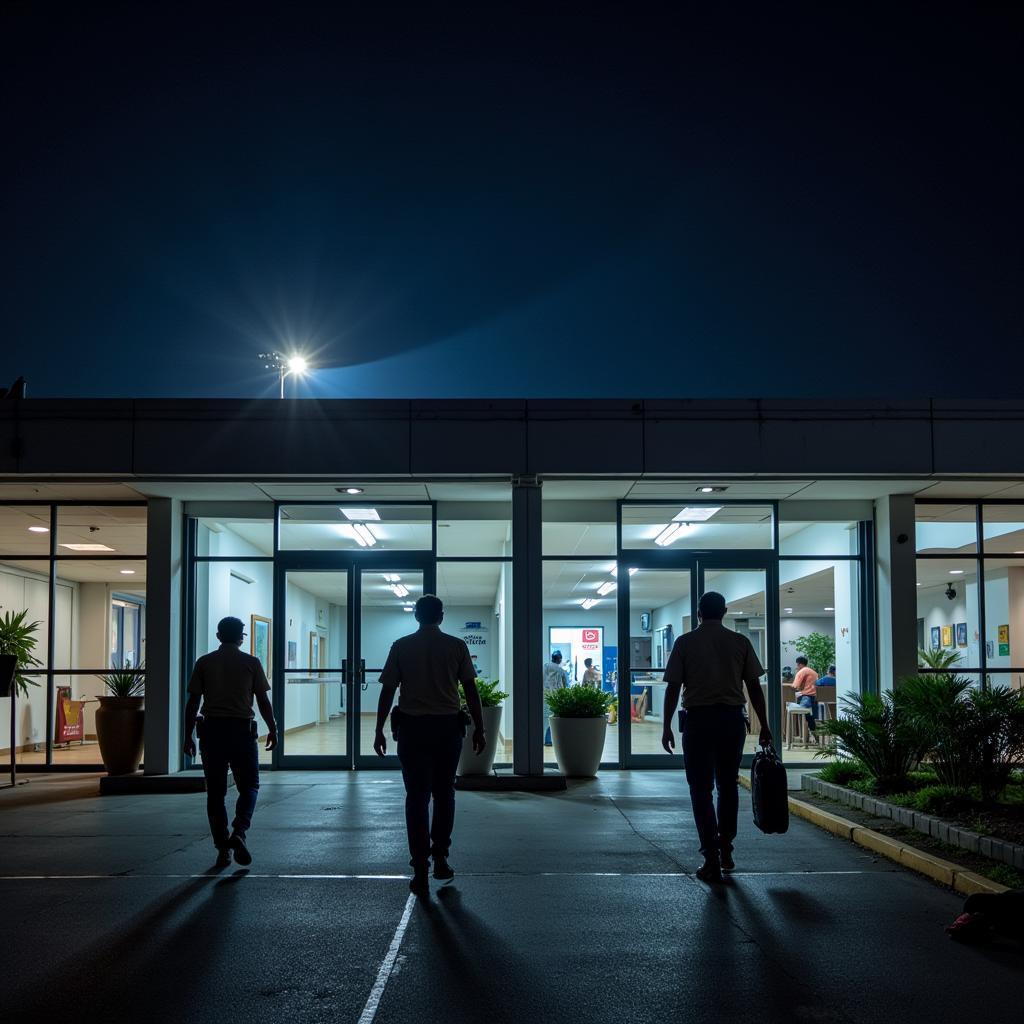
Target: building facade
{"x": 858, "y": 532}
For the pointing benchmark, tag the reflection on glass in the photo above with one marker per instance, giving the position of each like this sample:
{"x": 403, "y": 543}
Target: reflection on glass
{"x": 814, "y": 538}
{"x": 234, "y": 538}
{"x": 949, "y": 529}
{"x": 1004, "y": 606}
{"x": 1003, "y": 529}
{"x": 101, "y": 529}
{"x": 25, "y": 587}
{"x": 24, "y": 530}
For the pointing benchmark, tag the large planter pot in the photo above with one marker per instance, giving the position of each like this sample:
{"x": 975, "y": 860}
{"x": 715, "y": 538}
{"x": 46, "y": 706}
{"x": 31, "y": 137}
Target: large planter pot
{"x": 119, "y": 730}
{"x": 578, "y": 743}
{"x": 481, "y": 764}
{"x": 8, "y": 666}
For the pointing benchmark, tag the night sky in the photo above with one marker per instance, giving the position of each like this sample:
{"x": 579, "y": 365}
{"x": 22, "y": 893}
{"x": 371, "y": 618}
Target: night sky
{"x": 576, "y": 200}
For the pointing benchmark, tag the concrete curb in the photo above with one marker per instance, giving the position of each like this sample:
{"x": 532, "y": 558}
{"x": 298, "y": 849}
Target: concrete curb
{"x": 953, "y": 875}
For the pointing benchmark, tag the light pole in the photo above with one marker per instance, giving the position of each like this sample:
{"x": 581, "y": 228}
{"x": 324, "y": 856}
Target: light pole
{"x": 286, "y": 366}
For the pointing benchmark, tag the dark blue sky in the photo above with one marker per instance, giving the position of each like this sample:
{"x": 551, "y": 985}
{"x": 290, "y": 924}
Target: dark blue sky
{"x": 619, "y": 200}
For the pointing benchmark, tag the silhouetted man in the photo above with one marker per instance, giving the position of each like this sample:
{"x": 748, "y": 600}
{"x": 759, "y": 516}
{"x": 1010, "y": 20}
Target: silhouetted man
{"x": 426, "y": 668}
{"x": 555, "y": 678}
{"x": 227, "y": 681}
{"x": 710, "y": 666}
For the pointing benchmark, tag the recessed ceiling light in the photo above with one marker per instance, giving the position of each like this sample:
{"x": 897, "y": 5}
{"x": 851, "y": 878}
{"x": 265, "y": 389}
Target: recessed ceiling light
{"x": 351, "y": 490}
{"x": 38, "y": 529}
{"x": 588, "y": 603}
{"x": 407, "y": 608}
{"x": 86, "y": 547}
{"x": 787, "y": 609}
{"x": 956, "y": 572}
{"x": 399, "y": 590}
{"x": 697, "y": 515}
{"x": 708, "y": 489}
{"x": 126, "y": 572}
{"x": 392, "y": 577}
{"x": 361, "y": 514}
{"x": 919, "y": 584}
{"x": 606, "y": 588}
{"x": 829, "y": 608}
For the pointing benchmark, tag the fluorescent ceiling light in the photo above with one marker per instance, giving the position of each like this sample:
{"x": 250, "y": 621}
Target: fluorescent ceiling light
{"x": 787, "y": 609}
{"x": 588, "y": 603}
{"x": 606, "y": 588}
{"x": 697, "y": 515}
{"x": 633, "y": 571}
{"x": 353, "y": 490}
{"x": 407, "y": 608}
{"x": 956, "y": 572}
{"x": 38, "y": 529}
{"x": 672, "y": 532}
{"x": 829, "y": 608}
{"x": 86, "y": 547}
{"x": 392, "y": 577}
{"x": 126, "y": 572}
{"x": 361, "y": 514}
{"x": 399, "y": 590}
{"x": 363, "y": 535}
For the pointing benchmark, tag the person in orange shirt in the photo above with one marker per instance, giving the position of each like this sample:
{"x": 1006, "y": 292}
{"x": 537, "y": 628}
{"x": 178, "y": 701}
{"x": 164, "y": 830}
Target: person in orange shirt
{"x": 805, "y": 683}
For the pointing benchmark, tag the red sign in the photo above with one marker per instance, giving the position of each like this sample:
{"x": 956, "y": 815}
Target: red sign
{"x": 591, "y": 636}
{"x": 70, "y": 723}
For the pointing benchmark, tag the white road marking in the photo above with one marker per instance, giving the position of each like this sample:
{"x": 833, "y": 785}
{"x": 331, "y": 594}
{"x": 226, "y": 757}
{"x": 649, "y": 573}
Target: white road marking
{"x": 213, "y": 876}
{"x": 387, "y": 965}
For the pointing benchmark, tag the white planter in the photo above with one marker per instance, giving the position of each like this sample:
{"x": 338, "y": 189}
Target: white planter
{"x": 578, "y": 743}
{"x": 480, "y": 764}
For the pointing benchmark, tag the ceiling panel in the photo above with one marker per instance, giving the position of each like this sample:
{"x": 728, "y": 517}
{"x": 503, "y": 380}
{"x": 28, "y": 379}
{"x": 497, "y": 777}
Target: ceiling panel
{"x": 580, "y": 490}
{"x": 58, "y": 491}
{"x": 737, "y": 490}
{"x": 335, "y": 491}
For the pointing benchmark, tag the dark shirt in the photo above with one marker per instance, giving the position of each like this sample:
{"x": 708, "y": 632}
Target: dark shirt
{"x": 427, "y": 667}
{"x": 227, "y": 679}
{"x": 713, "y": 663}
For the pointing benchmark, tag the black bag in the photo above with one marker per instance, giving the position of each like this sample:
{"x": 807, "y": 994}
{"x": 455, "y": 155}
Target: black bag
{"x": 769, "y": 791}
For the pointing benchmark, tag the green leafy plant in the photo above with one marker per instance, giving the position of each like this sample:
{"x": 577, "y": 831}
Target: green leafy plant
{"x": 843, "y": 772}
{"x": 819, "y": 649}
{"x": 578, "y": 702}
{"x": 490, "y": 695}
{"x": 939, "y": 800}
{"x": 998, "y": 724}
{"x": 18, "y": 639}
{"x": 877, "y": 732}
{"x": 127, "y": 680}
{"x": 938, "y": 705}
{"x": 939, "y": 659}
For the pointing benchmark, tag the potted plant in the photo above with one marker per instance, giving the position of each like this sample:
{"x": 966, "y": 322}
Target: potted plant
{"x": 17, "y": 642}
{"x": 491, "y": 698}
{"x": 120, "y": 718}
{"x": 579, "y": 723}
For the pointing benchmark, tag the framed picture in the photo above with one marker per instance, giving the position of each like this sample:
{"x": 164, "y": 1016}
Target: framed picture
{"x": 961, "y": 634}
{"x": 936, "y": 638}
{"x": 314, "y": 651}
{"x": 293, "y": 654}
{"x": 645, "y": 622}
{"x": 947, "y": 636}
{"x": 259, "y": 640}
{"x": 990, "y": 649}
{"x": 1004, "y": 641}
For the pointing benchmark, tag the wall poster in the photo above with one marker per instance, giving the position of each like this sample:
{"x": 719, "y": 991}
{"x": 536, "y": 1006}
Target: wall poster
{"x": 1004, "y": 641}
{"x": 259, "y": 641}
{"x": 947, "y": 636}
{"x": 961, "y": 634}
{"x": 70, "y": 723}
{"x": 936, "y": 638}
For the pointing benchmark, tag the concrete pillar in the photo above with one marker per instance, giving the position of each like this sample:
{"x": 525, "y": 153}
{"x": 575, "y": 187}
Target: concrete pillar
{"x": 164, "y": 576}
{"x": 527, "y": 628}
{"x": 896, "y": 576}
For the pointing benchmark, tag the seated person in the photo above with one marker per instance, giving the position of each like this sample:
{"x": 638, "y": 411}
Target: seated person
{"x": 591, "y": 675}
{"x": 830, "y": 678}
{"x": 805, "y": 684}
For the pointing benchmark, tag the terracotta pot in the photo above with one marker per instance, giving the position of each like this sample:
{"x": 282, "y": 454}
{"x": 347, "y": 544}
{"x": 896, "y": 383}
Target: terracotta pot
{"x": 8, "y": 666}
{"x": 119, "y": 730}
{"x": 578, "y": 743}
{"x": 481, "y": 764}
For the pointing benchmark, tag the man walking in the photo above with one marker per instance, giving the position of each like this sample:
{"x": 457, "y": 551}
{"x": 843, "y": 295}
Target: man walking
{"x": 710, "y": 665}
{"x": 426, "y": 668}
{"x": 555, "y": 678}
{"x": 227, "y": 681}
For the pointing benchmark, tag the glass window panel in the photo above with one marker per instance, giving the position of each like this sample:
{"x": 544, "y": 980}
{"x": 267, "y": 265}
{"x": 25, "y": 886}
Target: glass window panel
{"x": 100, "y": 618}
{"x": 356, "y": 527}
{"x": 577, "y": 633}
{"x": 944, "y": 529}
{"x": 1004, "y": 613}
{"x": 25, "y": 586}
{"x": 1010, "y": 680}
{"x": 30, "y": 724}
{"x": 696, "y": 525}
{"x": 1003, "y": 529}
{"x": 578, "y": 538}
{"x": 487, "y": 535}
{"x": 101, "y": 529}
{"x": 806, "y": 538}
{"x": 477, "y": 600}
{"x": 74, "y": 724}
{"x": 947, "y": 608}
{"x": 24, "y": 529}
{"x": 234, "y": 538}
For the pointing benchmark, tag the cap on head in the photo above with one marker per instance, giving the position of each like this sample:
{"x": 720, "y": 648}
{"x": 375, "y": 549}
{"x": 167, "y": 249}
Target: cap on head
{"x": 230, "y": 630}
{"x": 429, "y": 610}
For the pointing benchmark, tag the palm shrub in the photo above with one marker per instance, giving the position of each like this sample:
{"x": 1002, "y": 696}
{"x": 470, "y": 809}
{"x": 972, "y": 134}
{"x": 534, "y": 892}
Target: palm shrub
{"x": 940, "y": 706}
{"x": 490, "y": 695}
{"x": 18, "y": 639}
{"x": 998, "y": 719}
{"x": 578, "y": 702}
{"x": 876, "y": 732}
{"x": 940, "y": 659}
{"x": 127, "y": 680}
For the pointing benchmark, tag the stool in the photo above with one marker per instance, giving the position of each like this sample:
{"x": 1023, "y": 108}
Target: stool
{"x": 801, "y": 714}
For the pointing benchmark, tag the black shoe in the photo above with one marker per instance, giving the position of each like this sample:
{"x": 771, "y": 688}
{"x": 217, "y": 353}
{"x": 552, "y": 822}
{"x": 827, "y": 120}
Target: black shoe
{"x": 420, "y": 884}
{"x": 728, "y": 864}
{"x": 242, "y": 854}
{"x": 223, "y": 857}
{"x": 443, "y": 870}
{"x": 710, "y": 870}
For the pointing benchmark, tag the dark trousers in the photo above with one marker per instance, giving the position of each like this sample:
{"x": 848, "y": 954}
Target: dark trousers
{"x": 712, "y": 747}
{"x": 229, "y": 743}
{"x": 429, "y": 747}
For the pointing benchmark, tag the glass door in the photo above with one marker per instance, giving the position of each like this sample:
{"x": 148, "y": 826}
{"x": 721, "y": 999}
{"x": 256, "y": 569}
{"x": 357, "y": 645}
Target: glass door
{"x": 660, "y": 604}
{"x": 385, "y": 612}
{"x": 314, "y": 700}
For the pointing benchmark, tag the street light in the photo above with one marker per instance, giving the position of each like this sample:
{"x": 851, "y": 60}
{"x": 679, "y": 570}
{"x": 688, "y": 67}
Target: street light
{"x": 292, "y": 366}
